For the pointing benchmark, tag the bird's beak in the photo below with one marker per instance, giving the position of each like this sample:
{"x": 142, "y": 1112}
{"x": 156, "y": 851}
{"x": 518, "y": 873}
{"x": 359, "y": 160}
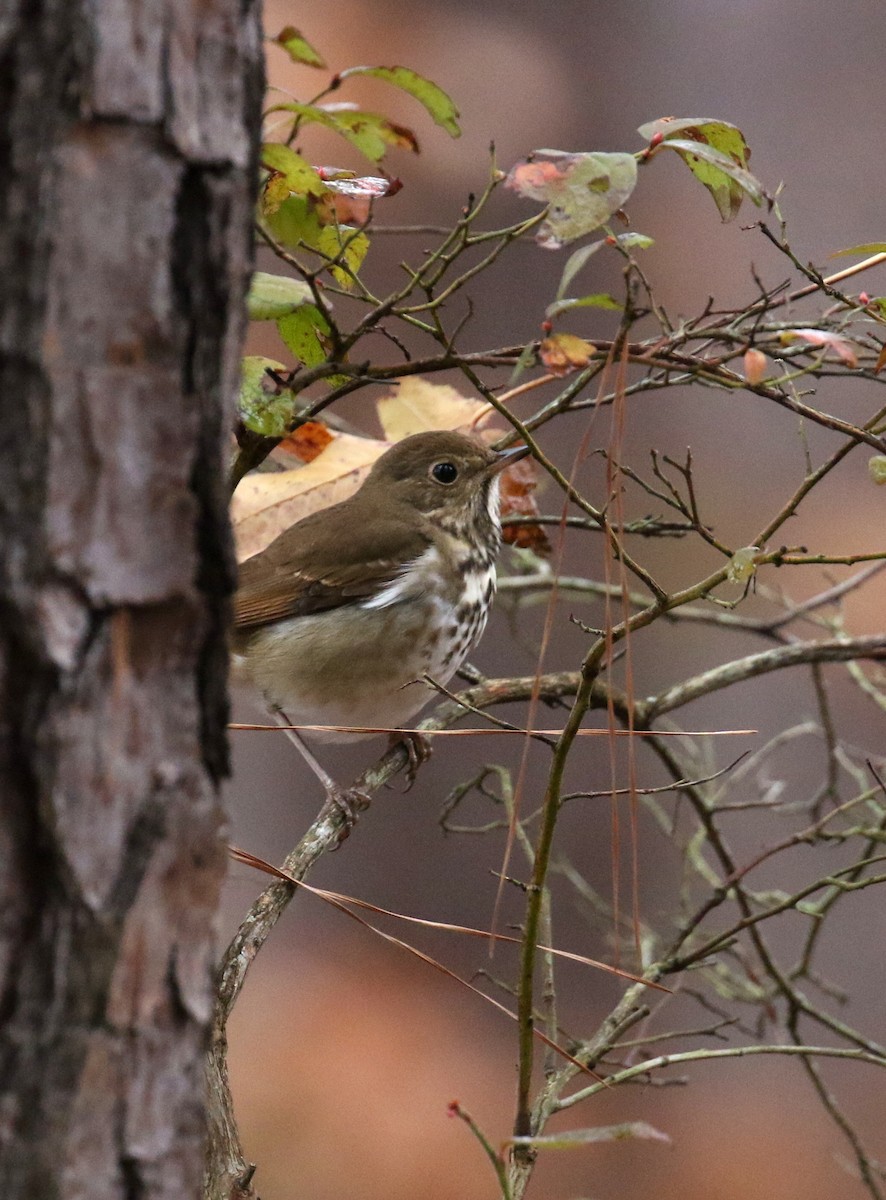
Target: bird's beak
{"x": 506, "y": 458}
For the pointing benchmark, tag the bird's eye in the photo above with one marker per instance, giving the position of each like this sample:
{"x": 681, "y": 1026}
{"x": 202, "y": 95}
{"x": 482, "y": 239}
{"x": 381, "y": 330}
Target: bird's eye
{"x": 444, "y": 472}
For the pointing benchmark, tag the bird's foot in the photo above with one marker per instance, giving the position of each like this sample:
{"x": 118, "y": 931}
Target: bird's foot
{"x": 345, "y": 804}
{"x": 418, "y": 749}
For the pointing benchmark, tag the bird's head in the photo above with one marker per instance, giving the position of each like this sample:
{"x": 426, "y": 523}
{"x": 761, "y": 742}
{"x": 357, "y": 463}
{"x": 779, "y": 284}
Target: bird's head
{"x": 448, "y": 476}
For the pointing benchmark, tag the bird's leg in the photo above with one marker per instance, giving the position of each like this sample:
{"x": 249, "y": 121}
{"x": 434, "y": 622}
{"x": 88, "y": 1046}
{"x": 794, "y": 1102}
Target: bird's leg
{"x": 348, "y": 801}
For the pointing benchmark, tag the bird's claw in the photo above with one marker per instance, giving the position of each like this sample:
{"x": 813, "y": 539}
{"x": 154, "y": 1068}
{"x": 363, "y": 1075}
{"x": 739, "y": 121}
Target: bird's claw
{"x": 347, "y": 804}
{"x": 418, "y": 750}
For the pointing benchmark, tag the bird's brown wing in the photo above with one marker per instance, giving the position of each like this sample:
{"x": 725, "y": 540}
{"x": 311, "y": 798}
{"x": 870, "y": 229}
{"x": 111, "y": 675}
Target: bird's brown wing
{"x": 324, "y": 561}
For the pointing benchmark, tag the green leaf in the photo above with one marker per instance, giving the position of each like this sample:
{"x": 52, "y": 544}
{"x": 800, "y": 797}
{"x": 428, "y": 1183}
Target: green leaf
{"x": 635, "y": 241}
{"x": 295, "y": 223}
{"x": 727, "y": 183}
{"x": 303, "y": 332}
{"x": 273, "y": 296}
{"x": 574, "y": 264}
{"x": 265, "y": 408}
{"x": 716, "y": 153}
{"x": 297, "y": 47}
{"x": 582, "y": 191}
{"x": 372, "y": 134}
{"x": 574, "y": 1138}
{"x": 306, "y": 113}
{"x": 598, "y": 300}
{"x": 526, "y": 359}
{"x": 864, "y": 248}
{"x": 300, "y": 176}
{"x": 440, "y": 106}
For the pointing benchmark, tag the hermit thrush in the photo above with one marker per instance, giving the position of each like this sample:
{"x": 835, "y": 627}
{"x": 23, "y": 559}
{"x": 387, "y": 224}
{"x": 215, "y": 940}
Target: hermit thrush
{"x": 340, "y": 617}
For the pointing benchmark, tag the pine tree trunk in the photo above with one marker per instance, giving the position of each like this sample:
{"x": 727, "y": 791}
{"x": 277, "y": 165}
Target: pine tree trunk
{"x": 127, "y": 141}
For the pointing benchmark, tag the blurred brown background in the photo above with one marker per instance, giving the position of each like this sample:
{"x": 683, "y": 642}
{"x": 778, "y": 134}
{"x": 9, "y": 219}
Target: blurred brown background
{"x": 346, "y": 1051}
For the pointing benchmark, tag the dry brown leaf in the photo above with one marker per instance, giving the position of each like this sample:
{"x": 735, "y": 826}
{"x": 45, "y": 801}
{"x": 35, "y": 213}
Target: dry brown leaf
{"x": 265, "y": 504}
{"x": 518, "y": 483}
{"x": 565, "y": 352}
{"x": 418, "y": 406}
{"x": 307, "y": 442}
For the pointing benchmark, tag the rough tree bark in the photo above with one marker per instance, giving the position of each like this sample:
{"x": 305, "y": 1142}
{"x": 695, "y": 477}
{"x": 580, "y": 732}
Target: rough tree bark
{"x": 127, "y": 135}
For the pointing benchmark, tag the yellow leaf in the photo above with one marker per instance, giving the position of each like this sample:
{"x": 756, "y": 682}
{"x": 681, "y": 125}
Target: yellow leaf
{"x": 742, "y": 565}
{"x": 877, "y": 468}
{"x": 417, "y": 406}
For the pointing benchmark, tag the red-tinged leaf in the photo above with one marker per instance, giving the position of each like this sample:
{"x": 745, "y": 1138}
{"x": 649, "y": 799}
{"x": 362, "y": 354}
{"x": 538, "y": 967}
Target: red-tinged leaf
{"x": 582, "y": 191}
{"x": 440, "y": 106}
{"x": 843, "y": 348}
{"x": 563, "y": 353}
{"x": 300, "y": 176}
{"x": 881, "y": 360}
{"x": 345, "y": 210}
{"x": 374, "y": 134}
{"x": 307, "y": 442}
{"x": 350, "y": 198}
{"x": 297, "y": 47}
{"x": 346, "y": 183}
{"x": 754, "y": 366}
